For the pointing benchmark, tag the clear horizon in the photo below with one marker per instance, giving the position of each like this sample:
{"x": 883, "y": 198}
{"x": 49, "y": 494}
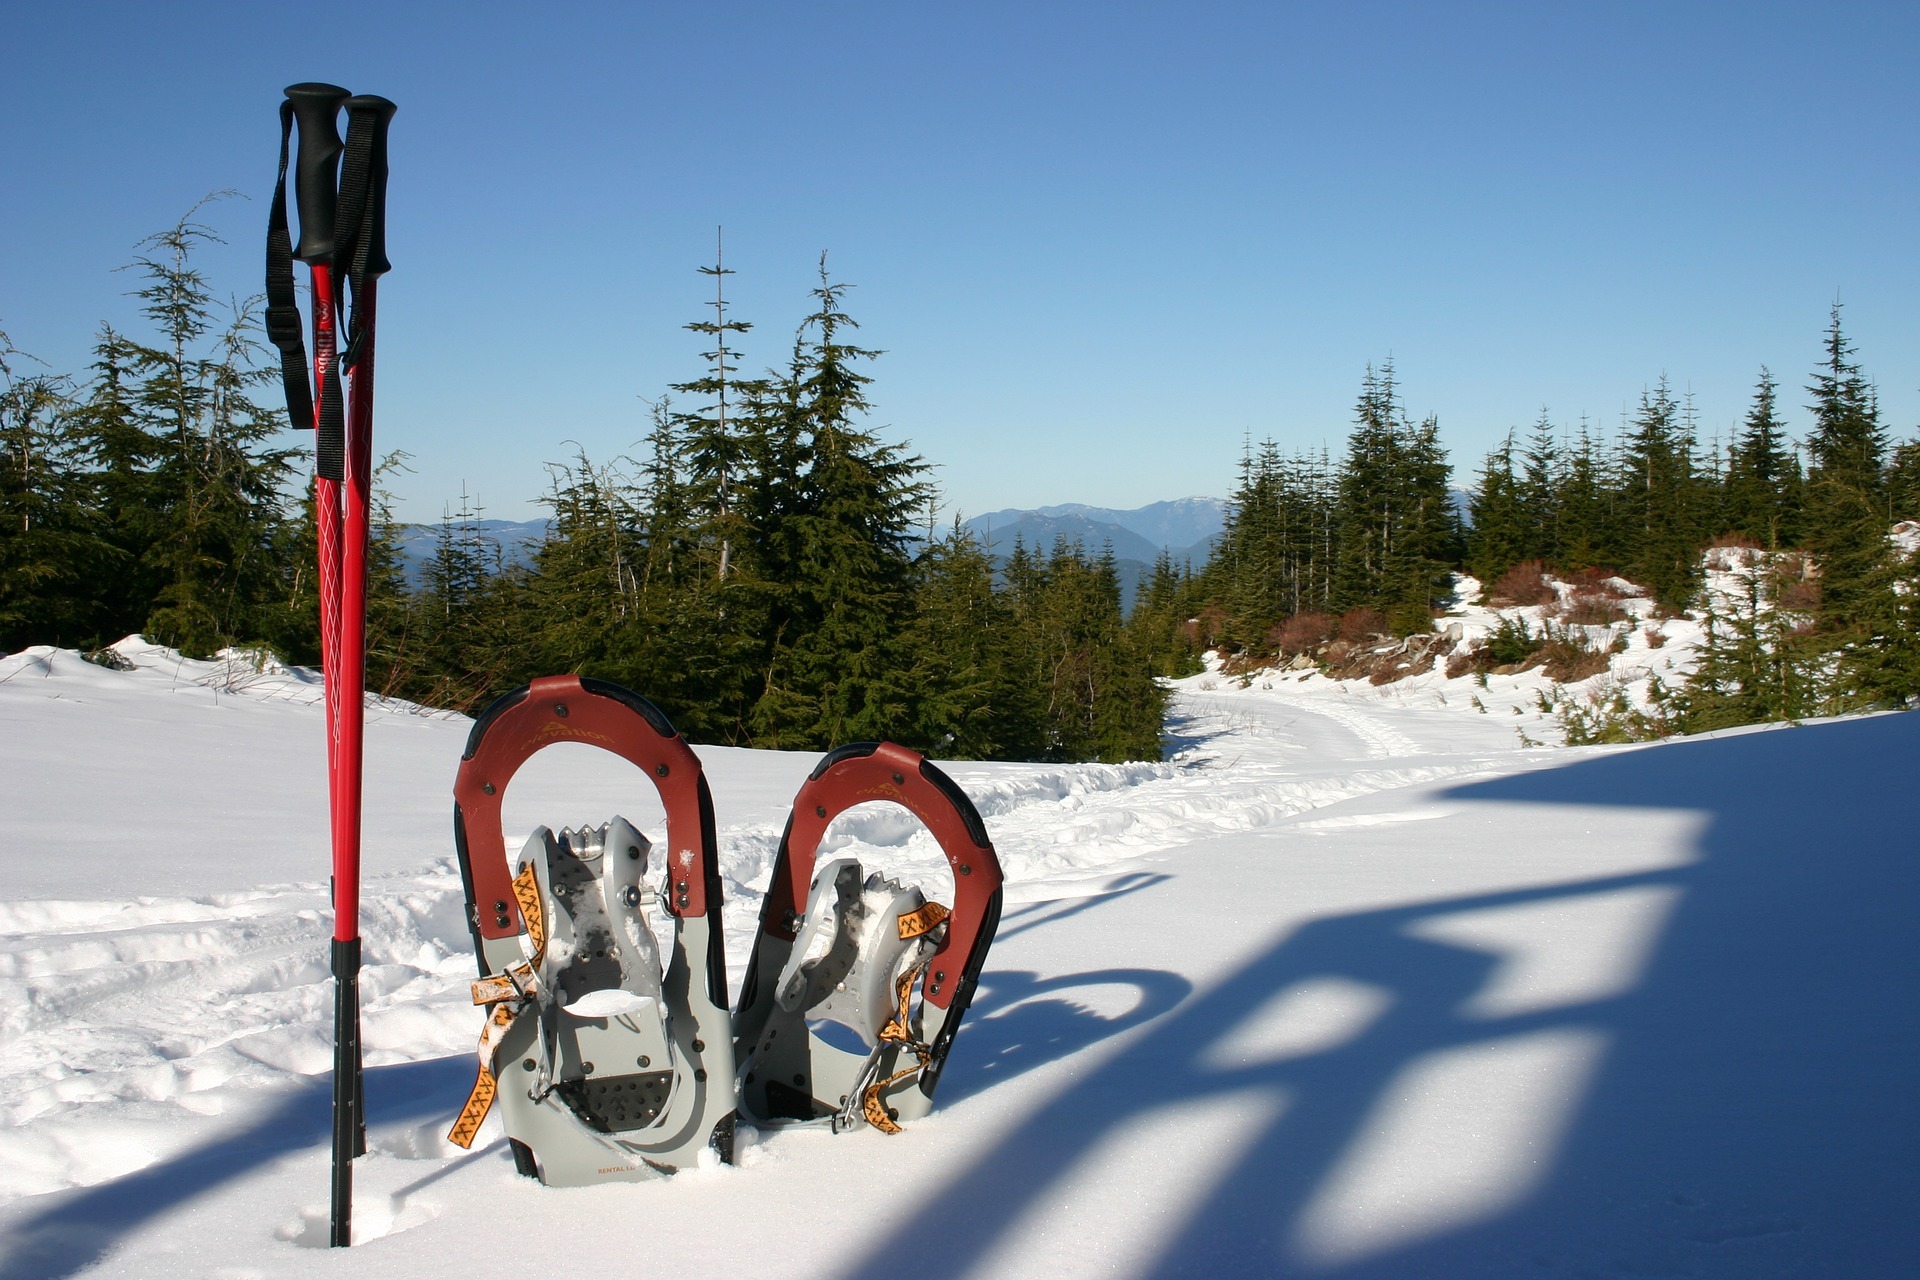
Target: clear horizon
{"x": 1101, "y": 245}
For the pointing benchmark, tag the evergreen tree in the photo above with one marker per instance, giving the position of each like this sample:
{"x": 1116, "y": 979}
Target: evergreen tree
{"x": 1756, "y": 662}
{"x": 1903, "y": 482}
{"x": 223, "y": 550}
{"x": 1763, "y": 475}
{"x": 584, "y": 583}
{"x": 1396, "y": 531}
{"x": 1660, "y": 500}
{"x": 1540, "y": 494}
{"x": 713, "y": 444}
{"x": 847, "y": 540}
{"x": 1101, "y": 701}
{"x": 1500, "y": 536}
{"x": 1158, "y": 625}
{"x": 1846, "y": 510}
{"x": 950, "y": 689}
{"x": 127, "y": 495}
{"x": 49, "y": 552}
{"x": 1584, "y": 505}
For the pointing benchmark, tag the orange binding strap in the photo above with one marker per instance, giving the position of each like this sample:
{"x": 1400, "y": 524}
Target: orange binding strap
{"x": 510, "y": 995}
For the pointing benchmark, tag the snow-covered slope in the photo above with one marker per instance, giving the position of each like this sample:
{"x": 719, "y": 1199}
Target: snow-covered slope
{"x": 1354, "y": 984}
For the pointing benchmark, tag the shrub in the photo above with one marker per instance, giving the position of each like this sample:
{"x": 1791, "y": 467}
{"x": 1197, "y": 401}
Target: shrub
{"x": 1410, "y": 619}
{"x": 1589, "y": 608}
{"x": 1510, "y": 643}
{"x": 1800, "y": 595}
{"x": 1301, "y": 632}
{"x": 1362, "y": 624}
{"x": 1524, "y": 583}
{"x": 1567, "y": 656}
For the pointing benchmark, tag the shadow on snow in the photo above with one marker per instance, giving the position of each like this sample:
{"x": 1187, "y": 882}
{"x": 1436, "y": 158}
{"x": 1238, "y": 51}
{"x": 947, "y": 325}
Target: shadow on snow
{"x": 69, "y": 1231}
{"x": 1754, "y": 1107}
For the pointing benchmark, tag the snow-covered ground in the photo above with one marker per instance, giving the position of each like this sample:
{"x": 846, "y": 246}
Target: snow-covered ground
{"x": 1355, "y": 984}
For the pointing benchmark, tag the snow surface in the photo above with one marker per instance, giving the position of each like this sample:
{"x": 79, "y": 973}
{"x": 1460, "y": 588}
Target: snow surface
{"x": 1356, "y": 983}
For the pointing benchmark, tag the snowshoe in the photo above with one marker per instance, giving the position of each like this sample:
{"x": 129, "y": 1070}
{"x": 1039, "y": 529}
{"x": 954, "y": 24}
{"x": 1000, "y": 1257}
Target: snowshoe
{"x": 827, "y": 1031}
{"x": 606, "y": 1064}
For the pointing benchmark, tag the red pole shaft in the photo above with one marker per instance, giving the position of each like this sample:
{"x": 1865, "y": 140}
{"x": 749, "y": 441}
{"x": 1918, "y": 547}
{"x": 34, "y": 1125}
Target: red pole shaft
{"x": 351, "y": 703}
{"x": 326, "y": 523}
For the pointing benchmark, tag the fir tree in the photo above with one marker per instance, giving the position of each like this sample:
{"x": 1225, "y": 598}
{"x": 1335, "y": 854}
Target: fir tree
{"x": 1660, "y": 500}
{"x": 1500, "y": 535}
{"x": 49, "y": 552}
{"x": 1763, "y": 475}
{"x": 222, "y": 550}
{"x": 1903, "y": 482}
{"x": 1846, "y": 510}
{"x": 846, "y": 539}
{"x": 1540, "y": 494}
{"x": 1584, "y": 505}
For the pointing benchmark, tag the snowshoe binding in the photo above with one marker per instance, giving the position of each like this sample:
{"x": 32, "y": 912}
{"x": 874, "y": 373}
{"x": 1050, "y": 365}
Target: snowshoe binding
{"x": 606, "y": 1063}
{"x": 826, "y": 1031}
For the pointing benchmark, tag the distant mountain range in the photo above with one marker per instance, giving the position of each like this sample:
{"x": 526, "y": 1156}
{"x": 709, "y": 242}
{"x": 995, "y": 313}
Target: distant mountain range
{"x": 515, "y": 540}
{"x": 1185, "y": 526}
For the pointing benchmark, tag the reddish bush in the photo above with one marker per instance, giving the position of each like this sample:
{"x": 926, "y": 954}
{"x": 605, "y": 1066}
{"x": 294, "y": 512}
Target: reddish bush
{"x": 1301, "y": 633}
{"x": 1525, "y": 583}
{"x": 1362, "y": 624}
{"x": 1800, "y": 595}
{"x": 1593, "y": 608}
{"x": 1570, "y": 657}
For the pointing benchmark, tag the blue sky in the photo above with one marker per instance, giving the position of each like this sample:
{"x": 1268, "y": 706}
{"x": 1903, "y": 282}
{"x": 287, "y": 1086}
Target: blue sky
{"x": 1100, "y": 243}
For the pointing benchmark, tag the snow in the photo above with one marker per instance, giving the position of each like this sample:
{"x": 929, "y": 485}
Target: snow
{"x": 1356, "y": 983}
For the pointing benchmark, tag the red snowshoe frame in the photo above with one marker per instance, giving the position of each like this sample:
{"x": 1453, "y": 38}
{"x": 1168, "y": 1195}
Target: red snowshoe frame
{"x": 549, "y": 1141}
{"x": 784, "y": 1081}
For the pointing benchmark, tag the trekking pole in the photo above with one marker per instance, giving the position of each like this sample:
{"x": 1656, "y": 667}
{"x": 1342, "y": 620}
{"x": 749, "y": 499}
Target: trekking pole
{"x": 360, "y": 259}
{"x": 342, "y": 240}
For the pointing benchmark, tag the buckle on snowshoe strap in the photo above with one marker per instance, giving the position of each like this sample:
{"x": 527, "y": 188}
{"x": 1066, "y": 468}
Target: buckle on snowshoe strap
{"x": 898, "y": 1031}
{"x": 914, "y": 924}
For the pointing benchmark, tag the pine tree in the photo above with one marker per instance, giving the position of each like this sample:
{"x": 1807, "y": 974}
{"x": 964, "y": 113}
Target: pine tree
{"x": 950, "y": 689}
{"x": 1540, "y": 493}
{"x": 1365, "y": 506}
{"x": 1660, "y": 500}
{"x": 844, "y": 545}
{"x": 1903, "y": 482}
{"x": 1500, "y": 536}
{"x": 1763, "y": 475}
{"x": 1584, "y": 505}
{"x": 49, "y": 552}
{"x": 223, "y": 550}
{"x": 1846, "y": 509}
{"x": 713, "y": 445}
{"x": 122, "y": 452}
{"x": 1158, "y": 626}
{"x": 1756, "y": 663}
{"x": 1396, "y": 531}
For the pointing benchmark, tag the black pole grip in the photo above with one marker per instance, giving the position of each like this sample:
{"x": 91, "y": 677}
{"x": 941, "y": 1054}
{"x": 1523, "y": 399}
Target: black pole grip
{"x": 316, "y": 173}
{"x": 373, "y": 240}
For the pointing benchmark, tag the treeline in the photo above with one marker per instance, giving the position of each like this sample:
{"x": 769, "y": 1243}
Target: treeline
{"x": 764, "y": 572}
{"x": 1367, "y": 544}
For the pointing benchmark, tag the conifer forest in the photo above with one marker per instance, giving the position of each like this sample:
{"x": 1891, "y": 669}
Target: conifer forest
{"x": 768, "y": 569}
